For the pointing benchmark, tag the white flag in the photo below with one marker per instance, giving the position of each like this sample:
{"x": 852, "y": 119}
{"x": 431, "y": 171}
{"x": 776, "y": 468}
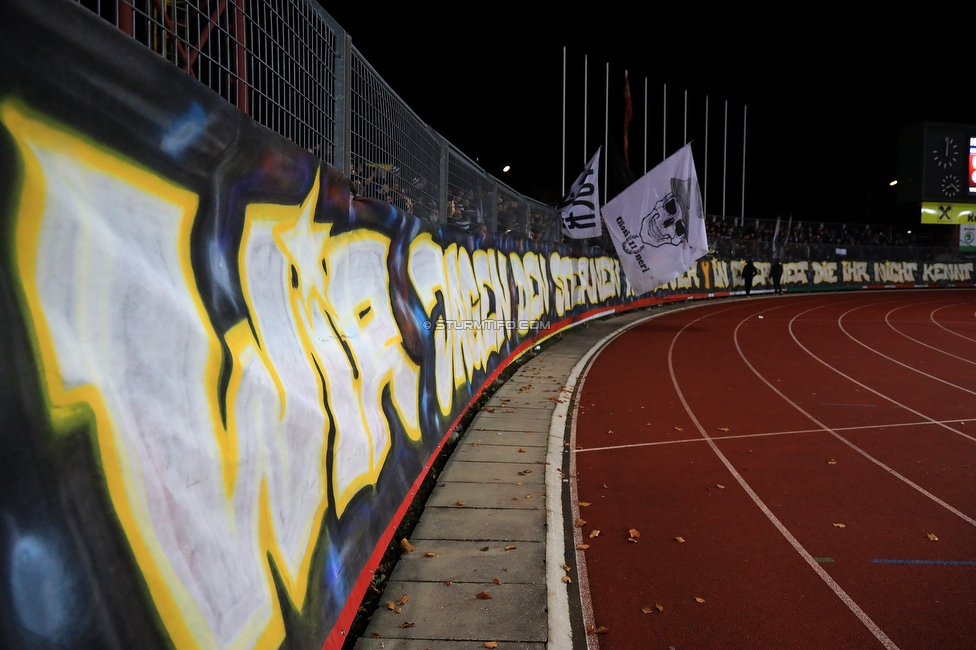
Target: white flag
{"x": 657, "y": 225}
{"x": 580, "y": 209}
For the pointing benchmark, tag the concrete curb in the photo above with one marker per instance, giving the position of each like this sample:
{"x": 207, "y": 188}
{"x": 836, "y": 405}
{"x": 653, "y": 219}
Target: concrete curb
{"x": 485, "y": 523}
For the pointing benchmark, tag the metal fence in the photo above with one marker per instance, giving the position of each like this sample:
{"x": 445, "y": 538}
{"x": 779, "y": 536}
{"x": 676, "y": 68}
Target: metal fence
{"x": 291, "y": 67}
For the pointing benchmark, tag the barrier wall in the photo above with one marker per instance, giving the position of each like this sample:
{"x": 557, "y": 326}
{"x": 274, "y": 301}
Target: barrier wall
{"x": 222, "y": 378}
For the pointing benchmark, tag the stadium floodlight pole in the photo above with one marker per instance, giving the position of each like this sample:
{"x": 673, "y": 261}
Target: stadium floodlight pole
{"x": 563, "y": 191}
{"x": 744, "y": 109}
{"x": 685, "y": 136}
{"x": 586, "y": 103}
{"x": 664, "y": 141}
{"x": 705, "y": 197}
{"x": 725, "y": 154}
{"x": 606, "y": 133}
{"x": 645, "y": 125}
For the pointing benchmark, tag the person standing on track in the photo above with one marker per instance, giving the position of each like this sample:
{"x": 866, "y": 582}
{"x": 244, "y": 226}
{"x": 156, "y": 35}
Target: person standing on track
{"x": 748, "y": 273}
{"x": 776, "y": 271}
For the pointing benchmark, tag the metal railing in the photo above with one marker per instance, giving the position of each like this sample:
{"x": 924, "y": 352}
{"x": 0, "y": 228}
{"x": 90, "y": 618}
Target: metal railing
{"x": 292, "y": 68}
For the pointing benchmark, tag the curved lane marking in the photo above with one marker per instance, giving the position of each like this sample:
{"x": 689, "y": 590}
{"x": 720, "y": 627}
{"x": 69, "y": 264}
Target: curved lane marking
{"x": 807, "y": 557}
{"x": 840, "y": 324}
{"x": 911, "y": 338}
{"x": 938, "y": 324}
{"x": 865, "y": 386}
{"x": 847, "y": 442}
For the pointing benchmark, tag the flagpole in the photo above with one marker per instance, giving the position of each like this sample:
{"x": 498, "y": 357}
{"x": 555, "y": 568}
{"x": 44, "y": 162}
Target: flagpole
{"x": 744, "y": 109}
{"x": 586, "y": 102}
{"x": 606, "y": 131}
{"x": 664, "y": 141}
{"x": 563, "y": 191}
{"x": 725, "y": 154}
{"x": 705, "y": 198}
{"x": 685, "y": 135}
{"x": 645, "y": 125}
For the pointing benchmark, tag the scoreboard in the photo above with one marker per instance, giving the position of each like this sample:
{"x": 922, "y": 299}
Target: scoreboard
{"x": 937, "y": 168}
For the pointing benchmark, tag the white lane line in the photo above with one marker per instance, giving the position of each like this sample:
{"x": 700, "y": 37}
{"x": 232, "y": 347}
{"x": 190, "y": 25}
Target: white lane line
{"x": 847, "y": 442}
{"x": 932, "y": 318}
{"x": 560, "y": 635}
{"x": 770, "y": 433}
{"x": 807, "y": 557}
{"x": 865, "y": 386}
{"x": 840, "y": 323}
{"x": 911, "y": 338}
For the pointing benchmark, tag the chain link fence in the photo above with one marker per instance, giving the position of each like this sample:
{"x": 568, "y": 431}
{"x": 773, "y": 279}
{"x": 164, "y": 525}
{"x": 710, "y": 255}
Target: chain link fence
{"x": 292, "y": 68}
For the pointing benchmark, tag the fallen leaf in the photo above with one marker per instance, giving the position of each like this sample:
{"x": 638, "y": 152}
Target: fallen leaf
{"x": 403, "y": 600}
{"x": 610, "y": 431}
{"x": 583, "y": 504}
{"x": 659, "y": 607}
{"x": 390, "y": 605}
{"x": 932, "y": 537}
{"x": 486, "y": 548}
{"x": 680, "y": 539}
{"x": 678, "y": 429}
{"x": 498, "y": 478}
{"x": 594, "y": 533}
{"x": 521, "y": 450}
{"x": 582, "y": 547}
{"x": 631, "y": 540}
{"x": 447, "y": 582}
{"x": 376, "y": 635}
{"x": 514, "y": 498}
{"x": 496, "y": 581}
{"x": 528, "y": 471}
{"x": 831, "y": 462}
{"x": 720, "y": 486}
{"x": 567, "y": 579}
{"x": 459, "y": 503}
{"x": 528, "y": 496}
{"x": 840, "y": 526}
{"x": 566, "y": 567}
{"x": 398, "y": 610}
{"x": 484, "y": 595}
{"x": 491, "y": 644}
{"x": 405, "y": 625}
{"x": 604, "y": 485}
{"x": 647, "y": 609}
{"x": 407, "y": 546}
{"x": 510, "y": 547}
{"x": 634, "y": 533}
{"x": 474, "y": 444}
{"x": 602, "y": 630}
{"x": 700, "y": 600}
{"x": 521, "y": 473}
{"x": 723, "y": 429}
{"x": 580, "y": 523}
{"x": 430, "y": 554}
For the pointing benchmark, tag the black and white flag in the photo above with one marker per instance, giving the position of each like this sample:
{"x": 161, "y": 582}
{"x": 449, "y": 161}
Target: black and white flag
{"x": 580, "y": 209}
{"x": 657, "y": 224}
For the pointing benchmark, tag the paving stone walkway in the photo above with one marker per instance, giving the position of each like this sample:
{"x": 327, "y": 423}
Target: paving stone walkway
{"x": 485, "y": 521}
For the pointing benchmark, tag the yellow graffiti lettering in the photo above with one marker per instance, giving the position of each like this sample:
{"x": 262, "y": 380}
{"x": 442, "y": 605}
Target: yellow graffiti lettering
{"x": 824, "y": 272}
{"x": 943, "y": 272}
{"x": 795, "y": 272}
{"x": 900, "y": 272}
{"x": 720, "y": 269}
{"x": 854, "y": 271}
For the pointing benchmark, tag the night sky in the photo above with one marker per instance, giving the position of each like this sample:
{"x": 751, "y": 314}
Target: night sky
{"x": 826, "y": 93}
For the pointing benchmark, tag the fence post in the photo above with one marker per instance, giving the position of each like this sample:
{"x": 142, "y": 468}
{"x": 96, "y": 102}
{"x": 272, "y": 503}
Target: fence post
{"x": 342, "y": 155}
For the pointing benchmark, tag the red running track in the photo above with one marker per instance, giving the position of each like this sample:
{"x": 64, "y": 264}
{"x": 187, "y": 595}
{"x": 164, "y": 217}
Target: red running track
{"x": 805, "y": 448}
